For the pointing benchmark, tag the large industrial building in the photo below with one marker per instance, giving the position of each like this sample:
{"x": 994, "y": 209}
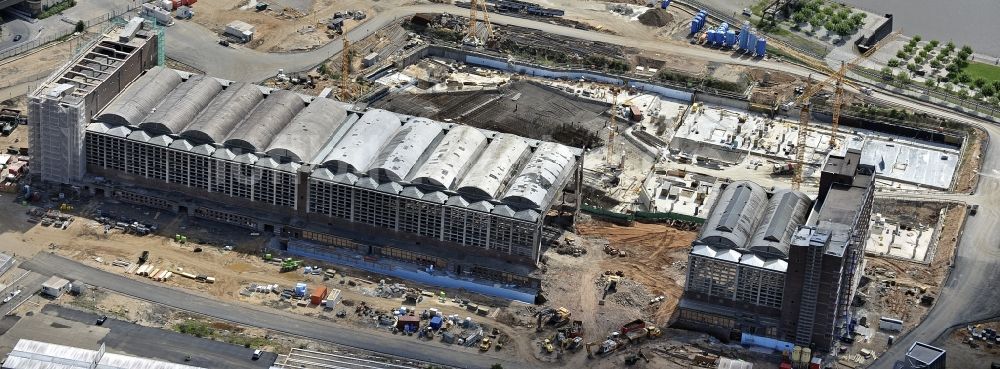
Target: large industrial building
{"x": 775, "y": 264}
{"x": 317, "y": 172}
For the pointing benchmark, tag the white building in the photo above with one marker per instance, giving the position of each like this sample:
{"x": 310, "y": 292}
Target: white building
{"x": 28, "y": 354}
{"x": 55, "y": 286}
{"x": 241, "y": 30}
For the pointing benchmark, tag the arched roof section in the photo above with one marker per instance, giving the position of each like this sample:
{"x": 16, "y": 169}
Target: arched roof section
{"x": 181, "y": 105}
{"x": 452, "y": 157}
{"x": 405, "y": 149}
{"x": 533, "y": 186}
{"x": 360, "y": 144}
{"x": 737, "y": 212}
{"x": 495, "y": 167}
{"x": 266, "y": 120}
{"x": 225, "y": 111}
{"x": 139, "y": 99}
{"x": 785, "y": 212}
{"x": 308, "y": 131}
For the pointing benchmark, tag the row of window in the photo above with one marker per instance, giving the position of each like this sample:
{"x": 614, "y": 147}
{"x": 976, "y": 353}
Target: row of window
{"x": 446, "y": 223}
{"x": 198, "y": 171}
{"x": 728, "y": 280}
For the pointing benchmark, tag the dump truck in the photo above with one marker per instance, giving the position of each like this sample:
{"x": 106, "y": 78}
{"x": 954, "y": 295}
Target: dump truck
{"x": 783, "y": 169}
{"x": 637, "y": 335}
{"x": 633, "y": 325}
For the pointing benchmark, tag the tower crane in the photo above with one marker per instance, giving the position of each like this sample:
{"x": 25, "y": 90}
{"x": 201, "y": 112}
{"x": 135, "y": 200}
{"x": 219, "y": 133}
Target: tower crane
{"x": 345, "y": 71}
{"x": 836, "y": 78}
{"x": 472, "y": 34}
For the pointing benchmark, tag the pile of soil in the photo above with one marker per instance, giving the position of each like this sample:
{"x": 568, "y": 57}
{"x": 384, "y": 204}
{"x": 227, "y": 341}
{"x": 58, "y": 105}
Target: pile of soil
{"x": 656, "y": 18}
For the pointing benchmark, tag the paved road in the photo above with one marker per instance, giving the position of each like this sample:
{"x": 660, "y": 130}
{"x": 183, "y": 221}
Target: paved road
{"x": 197, "y": 46}
{"x": 29, "y": 283}
{"x": 137, "y": 340}
{"x": 14, "y": 27}
{"x": 272, "y": 319}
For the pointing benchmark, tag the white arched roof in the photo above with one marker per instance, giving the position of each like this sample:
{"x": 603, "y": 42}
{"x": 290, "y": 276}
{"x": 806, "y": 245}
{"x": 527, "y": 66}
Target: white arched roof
{"x": 405, "y": 149}
{"x": 452, "y": 157}
{"x": 266, "y": 120}
{"x": 225, "y": 111}
{"x": 181, "y": 105}
{"x": 139, "y": 99}
{"x": 308, "y": 131}
{"x": 495, "y": 167}
{"x": 358, "y": 147}
{"x": 534, "y": 185}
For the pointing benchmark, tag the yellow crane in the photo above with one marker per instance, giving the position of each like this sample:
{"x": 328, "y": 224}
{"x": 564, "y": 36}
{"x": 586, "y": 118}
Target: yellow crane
{"x": 472, "y": 34}
{"x": 835, "y": 77}
{"x": 345, "y": 71}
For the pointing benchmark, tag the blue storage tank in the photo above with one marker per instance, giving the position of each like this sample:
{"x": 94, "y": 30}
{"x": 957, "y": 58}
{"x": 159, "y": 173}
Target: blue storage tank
{"x": 724, "y": 27}
{"x": 752, "y": 42}
{"x": 710, "y": 36}
{"x": 664, "y": 4}
{"x": 695, "y": 25}
{"x": 744, "y": 39}
{"x": 730, "y": 38}
{"x": 761, "y": 47}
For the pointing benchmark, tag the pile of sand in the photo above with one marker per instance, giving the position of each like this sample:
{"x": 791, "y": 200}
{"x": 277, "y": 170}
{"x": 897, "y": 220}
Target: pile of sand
{"x": 656, "y": 18}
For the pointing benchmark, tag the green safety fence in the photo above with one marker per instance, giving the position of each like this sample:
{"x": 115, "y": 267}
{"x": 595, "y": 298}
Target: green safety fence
{"x": 639, "y": 215}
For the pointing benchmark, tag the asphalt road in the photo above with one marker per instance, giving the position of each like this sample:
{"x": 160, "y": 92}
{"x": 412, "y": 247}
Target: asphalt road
{"x": 197, "y": 46}
{"x": 29, "y": 283}
{"x": 272, "y": 319}
{"x": 137, "y": 340}
{"x": 14, "y": 27}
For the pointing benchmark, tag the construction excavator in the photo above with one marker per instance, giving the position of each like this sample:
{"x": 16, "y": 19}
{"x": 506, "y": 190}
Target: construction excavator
{"x": 556, "y": 317}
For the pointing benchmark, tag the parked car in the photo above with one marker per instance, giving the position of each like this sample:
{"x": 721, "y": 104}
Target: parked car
{"x": 11, "y": 296}
{"x": 256, "y": 354}
{"x": 102, "y": 319}
{"x": 17, "y": 38}
{"x": 224, "y": 43}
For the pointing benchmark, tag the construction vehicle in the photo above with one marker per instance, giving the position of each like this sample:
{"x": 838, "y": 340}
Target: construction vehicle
{"x": 783, "y": 169}
{"x": 144, "y": 257}
{"x": 547, "y": 345}
{"x": 289, "y": 265}
{"x": 633, "y": 325}
{"x": 637, "y": 335}
{"x": 575, "y": 329}
{"x": 485, "y": 344}
{"x": 634, "y": 358}
{"x": 572, "y": 344}
{"x": 560, "y": 317}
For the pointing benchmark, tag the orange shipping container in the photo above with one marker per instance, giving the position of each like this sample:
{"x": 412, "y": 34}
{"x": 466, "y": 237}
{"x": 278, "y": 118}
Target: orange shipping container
{"x": 318, "y": 295}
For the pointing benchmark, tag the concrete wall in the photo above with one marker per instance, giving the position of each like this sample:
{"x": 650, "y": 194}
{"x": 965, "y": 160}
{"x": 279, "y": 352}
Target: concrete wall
{"x": 730, "y": 101}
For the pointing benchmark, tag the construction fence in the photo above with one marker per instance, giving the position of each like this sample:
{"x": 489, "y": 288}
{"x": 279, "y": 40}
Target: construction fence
{"x": 67, "y": 29}
{"x": 639, "y": 216}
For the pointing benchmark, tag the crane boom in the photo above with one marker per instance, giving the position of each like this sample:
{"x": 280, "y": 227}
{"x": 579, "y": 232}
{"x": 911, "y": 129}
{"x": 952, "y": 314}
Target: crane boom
{"x": 345, "y": 71}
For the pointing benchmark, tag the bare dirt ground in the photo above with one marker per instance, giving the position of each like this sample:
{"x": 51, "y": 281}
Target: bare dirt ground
{"x": 280, "y": 29}
{"x": 896, "y": 287}
{"x": 968, "y": 172}
{"x": 974, "y": 353}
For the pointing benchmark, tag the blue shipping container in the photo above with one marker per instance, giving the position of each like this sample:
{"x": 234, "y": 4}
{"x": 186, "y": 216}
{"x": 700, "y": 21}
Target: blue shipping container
{"x": 664, "y": 4}
{"x": 436, "y": 322}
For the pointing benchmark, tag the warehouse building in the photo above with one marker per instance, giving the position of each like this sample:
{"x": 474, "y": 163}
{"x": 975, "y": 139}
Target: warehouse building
{"x": 776, "y": 265}
{"x": 28, "y": 354}
{"x": 311, "y": 169}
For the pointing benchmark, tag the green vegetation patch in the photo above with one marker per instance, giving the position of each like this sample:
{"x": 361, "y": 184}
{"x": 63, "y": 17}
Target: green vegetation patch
{"x": 56, "y": 9}
{"x": 982, "y": 70}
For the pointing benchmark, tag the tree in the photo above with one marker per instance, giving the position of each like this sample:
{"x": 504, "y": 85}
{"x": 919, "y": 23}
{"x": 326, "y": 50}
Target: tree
{"x": 902, "y": 55}
{"x": 816, "y": 22}
{"x": 893, "y": 62}
{"x": 936, "y": 64}
{"x": 919, "y": 60}
{"x": 934, "y": 43}
{"x": 930, "y": 82}
{"x": 948, "y": 87}
{"x": 916, "y": 39}
{"x": 995, "y": 100}
{"x": 924, "y": 54}
{"x": 887, "y": 73}
{"x": 928, "y": 47}
{"x": 979, "y": 82}
{"x": 964, "y": 78}
{"x": 996, "y": 85}
{"x": 800, "y": 18}
{"x": 966, "y": 50}
{"x": 908, "y": 48}
{"x": 949, "y": 46}
{"x": 912, "y": 67}
{"x": 496, "y": 366}
{"x": 988, "y": 90}
{"x": 963, "y": 93}
{"x": 903, "y": 77}
{"x": 80, "y": 26}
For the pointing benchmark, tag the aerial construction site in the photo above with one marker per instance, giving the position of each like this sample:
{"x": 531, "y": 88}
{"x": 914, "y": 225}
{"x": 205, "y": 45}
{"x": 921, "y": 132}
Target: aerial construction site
{"x": 484, "y": 184}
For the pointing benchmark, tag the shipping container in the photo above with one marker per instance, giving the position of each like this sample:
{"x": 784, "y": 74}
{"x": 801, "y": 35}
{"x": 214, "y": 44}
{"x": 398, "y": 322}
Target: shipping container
{"x": 664, "y": 4}
{"x": 318, "y": 294}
